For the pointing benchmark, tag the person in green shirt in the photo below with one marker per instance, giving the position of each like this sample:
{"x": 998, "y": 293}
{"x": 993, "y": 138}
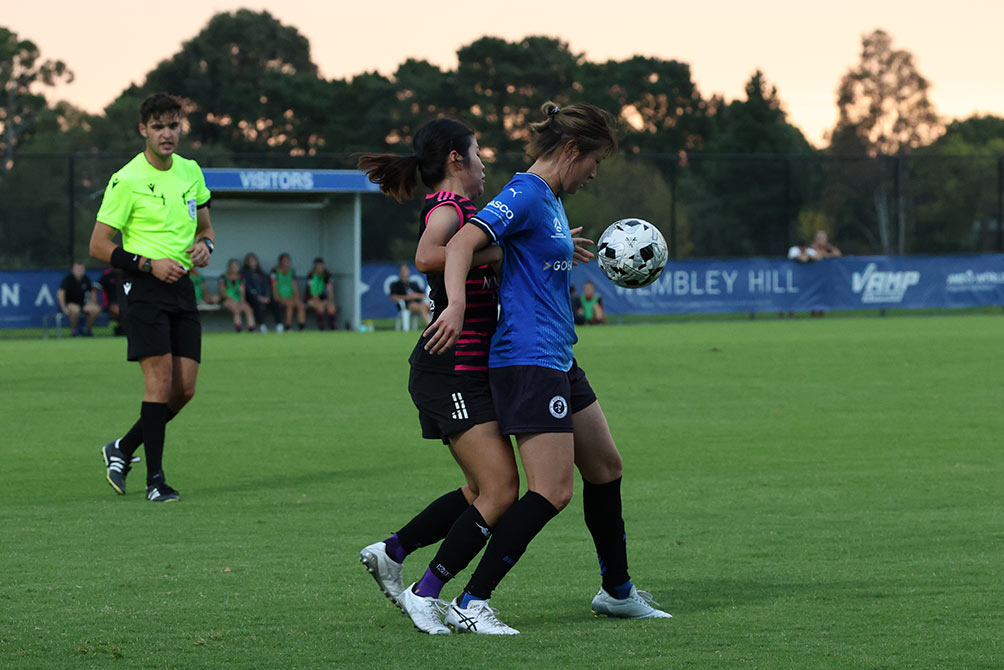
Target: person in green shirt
{"x": 287, "y": 292}
{"x": 321, "y": 295}
{"x": 589, "y": 309}
{"x": 159, "y": 204}
{"x": 233, "y": 295}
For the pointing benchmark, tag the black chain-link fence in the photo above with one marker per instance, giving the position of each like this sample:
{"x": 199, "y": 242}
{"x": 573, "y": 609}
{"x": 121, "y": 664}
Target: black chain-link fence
{"x": 708, "y": 205}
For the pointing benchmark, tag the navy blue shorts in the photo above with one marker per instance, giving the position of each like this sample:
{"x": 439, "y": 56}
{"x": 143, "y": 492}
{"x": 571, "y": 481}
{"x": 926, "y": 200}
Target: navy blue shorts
{"x": 534, "y": 399}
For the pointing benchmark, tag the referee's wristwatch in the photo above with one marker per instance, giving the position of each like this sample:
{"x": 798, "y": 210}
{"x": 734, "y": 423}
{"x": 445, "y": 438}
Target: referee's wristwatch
{"x": 147, "y": 266}
{"x": 209, "y": 245}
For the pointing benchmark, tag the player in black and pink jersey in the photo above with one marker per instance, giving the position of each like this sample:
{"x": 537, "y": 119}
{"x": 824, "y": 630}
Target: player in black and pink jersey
{"x": 451, "y": 391}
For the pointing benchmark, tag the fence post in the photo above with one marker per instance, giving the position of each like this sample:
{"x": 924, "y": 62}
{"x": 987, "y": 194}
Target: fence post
{"x": 1000, "y": 203}
{"x": 71, "y": 205}
{"x": 672, "y": 208}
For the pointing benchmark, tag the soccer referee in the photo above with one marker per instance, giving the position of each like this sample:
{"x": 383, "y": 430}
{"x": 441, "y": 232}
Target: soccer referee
{"x": 159, "y": 203}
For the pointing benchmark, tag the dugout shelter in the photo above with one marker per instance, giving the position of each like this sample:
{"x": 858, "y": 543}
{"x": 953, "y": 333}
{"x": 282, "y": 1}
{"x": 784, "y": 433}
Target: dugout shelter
{"x": 306, "y": 213}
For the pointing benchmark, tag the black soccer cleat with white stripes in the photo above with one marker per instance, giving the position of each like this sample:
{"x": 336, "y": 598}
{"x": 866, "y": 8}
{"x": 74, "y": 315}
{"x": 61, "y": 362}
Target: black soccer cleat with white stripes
{"x": 117, "y": 465}
{"x": 159, "y": 491}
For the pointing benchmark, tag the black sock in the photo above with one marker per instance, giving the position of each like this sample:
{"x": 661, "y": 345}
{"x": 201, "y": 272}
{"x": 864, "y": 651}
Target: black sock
{"x": 513, "y": 533}
{"x": 465, "y": 540}
{"x": 601, "y": 504}
{"x": 433, "y": 523}
{"x": 153, "y": 416}
{"x": 130, "y": 442}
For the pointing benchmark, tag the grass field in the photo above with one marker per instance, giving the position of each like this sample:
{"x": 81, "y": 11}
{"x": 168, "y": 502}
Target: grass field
{"x": 799, "y": 494}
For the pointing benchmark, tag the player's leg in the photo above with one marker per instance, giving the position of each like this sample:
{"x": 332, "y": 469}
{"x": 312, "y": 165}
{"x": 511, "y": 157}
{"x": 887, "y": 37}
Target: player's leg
{"x": 548, "y": 463}
{"x": 233, "y": 307}
{"x": 600, "y": 465}
{"x": 332, "y": 312}
{"x": 301, "y": 313}
{"x": 487, "y": 459}
{"x": 248, "y": 315}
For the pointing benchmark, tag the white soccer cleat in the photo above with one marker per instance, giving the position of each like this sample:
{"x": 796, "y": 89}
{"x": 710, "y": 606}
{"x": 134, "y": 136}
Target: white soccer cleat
{"x": 638, "y": 605}
{"x": 425, "y": 612}
{"x": 477, "y": 617}
{"x": 385, "y": 570}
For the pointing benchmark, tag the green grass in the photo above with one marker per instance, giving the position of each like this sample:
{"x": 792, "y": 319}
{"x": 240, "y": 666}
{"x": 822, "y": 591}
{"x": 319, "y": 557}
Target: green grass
{"x": 799, "y": 494}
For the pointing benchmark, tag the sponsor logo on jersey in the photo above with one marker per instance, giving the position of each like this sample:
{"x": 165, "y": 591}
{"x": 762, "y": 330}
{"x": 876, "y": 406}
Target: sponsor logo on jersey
{"x": 561, "y": 265}
{"x": 127, "y": 287}
{"x": 559, "y": 232}
{"x": 876, "y": 285}
{"x": 502, "y": 208}
{"x": 558, "y": 407}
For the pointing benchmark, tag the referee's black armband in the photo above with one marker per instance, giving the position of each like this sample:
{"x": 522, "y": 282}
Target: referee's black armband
{"x": 124, "y": 260}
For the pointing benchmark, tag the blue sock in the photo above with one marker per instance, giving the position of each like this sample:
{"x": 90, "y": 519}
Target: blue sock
{"x": 622, "y": 591}
{"x": 394, "y": 549}
{"x": 466, "y": 598}
{"x": 429, "y": 585}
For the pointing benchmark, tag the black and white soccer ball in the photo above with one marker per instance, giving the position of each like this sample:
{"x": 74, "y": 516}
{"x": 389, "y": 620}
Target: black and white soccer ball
{"x": 632, "y": 253}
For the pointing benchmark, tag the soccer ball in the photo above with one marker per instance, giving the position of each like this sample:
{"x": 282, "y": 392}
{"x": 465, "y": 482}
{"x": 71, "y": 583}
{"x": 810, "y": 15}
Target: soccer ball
{"x": 632, "y": 253}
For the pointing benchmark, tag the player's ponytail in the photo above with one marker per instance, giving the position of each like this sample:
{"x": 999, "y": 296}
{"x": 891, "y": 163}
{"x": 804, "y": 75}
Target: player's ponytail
{"x": 397, "y": 176}
{"x": 586, "y": 125}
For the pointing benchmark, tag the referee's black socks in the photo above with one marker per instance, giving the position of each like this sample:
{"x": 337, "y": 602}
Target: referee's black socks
{"x": 153, "y": 419}
{"x": 129, "y": 443}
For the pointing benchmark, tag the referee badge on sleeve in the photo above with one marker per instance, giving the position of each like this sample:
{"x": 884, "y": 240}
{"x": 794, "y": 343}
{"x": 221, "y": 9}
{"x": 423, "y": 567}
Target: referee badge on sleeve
{"x": 191, "y": 208}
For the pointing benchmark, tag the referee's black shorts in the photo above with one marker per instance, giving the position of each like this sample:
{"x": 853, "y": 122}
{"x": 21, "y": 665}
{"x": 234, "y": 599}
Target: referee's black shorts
{"x": 450, "y": 403}
{"x": 160, "y": 318}
{"x": 534, "y": 399}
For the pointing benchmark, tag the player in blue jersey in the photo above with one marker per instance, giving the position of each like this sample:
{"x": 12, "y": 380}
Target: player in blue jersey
{"x": 541, "y": 395}
{"x": 450, "y": 392}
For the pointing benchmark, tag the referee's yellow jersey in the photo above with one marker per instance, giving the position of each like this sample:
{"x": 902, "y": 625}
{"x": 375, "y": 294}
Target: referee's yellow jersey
{"x": 156, "y": 210}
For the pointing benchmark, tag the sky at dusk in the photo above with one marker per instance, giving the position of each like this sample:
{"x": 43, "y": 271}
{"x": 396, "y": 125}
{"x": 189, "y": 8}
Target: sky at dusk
{"x": 803, "y": 47}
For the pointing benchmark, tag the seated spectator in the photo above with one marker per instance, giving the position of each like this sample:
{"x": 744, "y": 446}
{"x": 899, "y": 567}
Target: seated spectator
{"x": 321, "y": 295}
{"x": 573, "y": 298}
{"x": 286, "y": 292}
{"x": 823, "y": 248}
{"x": 802, "y": 252}
{"x": 77, "y": 295}
{"x": 202, "y": 296}
{"x": 409, "y": 294}
{"x": 234, "y": 297}
{"x": 590, "y": 307}
{"x": 258, "y": 289}
{"x": 109, "y": 282}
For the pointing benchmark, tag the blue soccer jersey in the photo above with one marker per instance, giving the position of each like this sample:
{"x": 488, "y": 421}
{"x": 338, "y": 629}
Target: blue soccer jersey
{"x": 535, "y": 326}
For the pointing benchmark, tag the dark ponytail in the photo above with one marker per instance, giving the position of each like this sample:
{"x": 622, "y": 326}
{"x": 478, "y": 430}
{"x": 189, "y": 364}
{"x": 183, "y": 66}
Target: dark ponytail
{"x": 433, "y": 143}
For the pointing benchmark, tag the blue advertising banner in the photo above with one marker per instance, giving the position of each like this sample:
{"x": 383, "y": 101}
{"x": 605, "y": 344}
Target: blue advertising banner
{"x": 27, "y": 297}
{"x": 777, "y": 285}
{"x": 685, "y": 287}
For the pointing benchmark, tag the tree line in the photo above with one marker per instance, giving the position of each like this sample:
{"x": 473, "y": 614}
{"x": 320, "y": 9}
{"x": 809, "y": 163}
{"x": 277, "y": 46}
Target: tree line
{"x": 730, "y": 177}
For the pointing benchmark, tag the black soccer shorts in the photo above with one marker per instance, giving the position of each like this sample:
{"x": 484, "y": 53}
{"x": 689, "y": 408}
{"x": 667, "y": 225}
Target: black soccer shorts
{"x": 450, "y": 403}
{"x": 160, "y": 318}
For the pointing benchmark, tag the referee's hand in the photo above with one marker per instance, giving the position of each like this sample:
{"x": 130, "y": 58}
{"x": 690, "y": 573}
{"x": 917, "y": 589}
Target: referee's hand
{"x": 167, "y": 270}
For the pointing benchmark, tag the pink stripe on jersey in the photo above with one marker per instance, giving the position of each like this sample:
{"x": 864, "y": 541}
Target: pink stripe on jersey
{"x": 443, "y": 195}
{"x": 471, "y": 368}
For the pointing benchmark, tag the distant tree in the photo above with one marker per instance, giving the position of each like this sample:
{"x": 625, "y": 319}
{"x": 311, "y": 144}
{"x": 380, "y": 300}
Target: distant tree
{"x": 656, "y": 100}
{"x": 503, "y": 85}
{"x": 746, "y": 206}
{"x": 883, "y": 102}
{"x": 22, "y": 72}
{"x": 251, "y": 82}
{"x": 884, "y": 109}
{"x": 976, "y": 135}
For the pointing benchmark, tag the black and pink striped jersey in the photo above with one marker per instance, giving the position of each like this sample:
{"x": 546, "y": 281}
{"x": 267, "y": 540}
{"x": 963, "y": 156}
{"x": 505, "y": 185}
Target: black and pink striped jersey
{"x": 471, "y": 351}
